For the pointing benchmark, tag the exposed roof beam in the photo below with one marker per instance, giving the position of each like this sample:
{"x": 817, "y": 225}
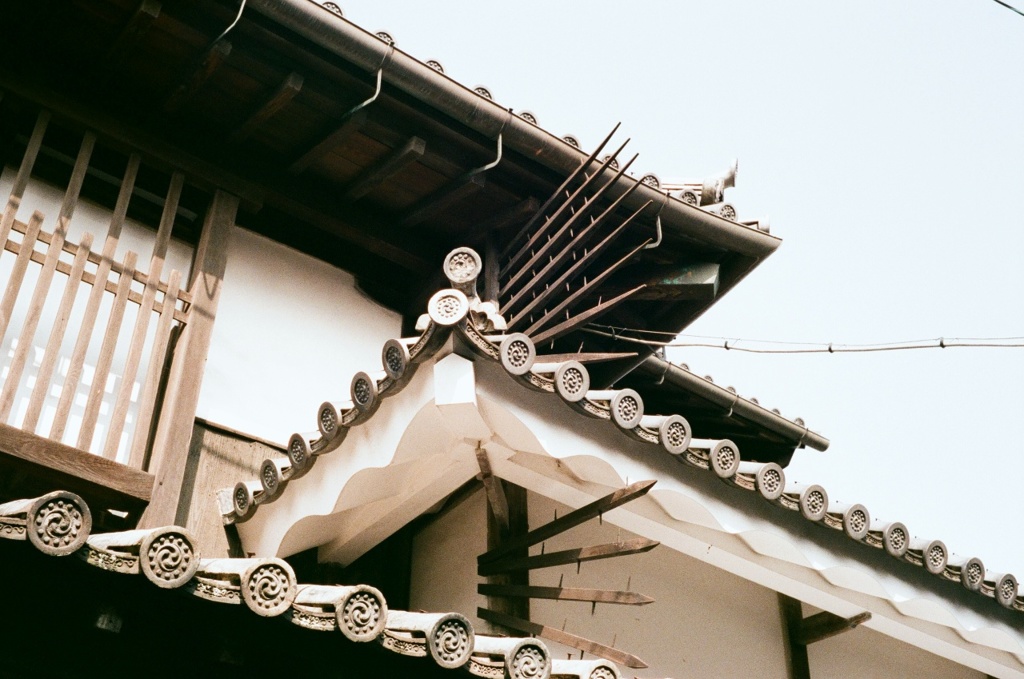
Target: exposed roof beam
{"x": 130, "y": 36}
{"x": 445, "y": 197}
{"x": 389, "y": 166}
{"x": 349, "y": 124}
{"x": 291, "y": 86}
{"x": 204, "y": 67}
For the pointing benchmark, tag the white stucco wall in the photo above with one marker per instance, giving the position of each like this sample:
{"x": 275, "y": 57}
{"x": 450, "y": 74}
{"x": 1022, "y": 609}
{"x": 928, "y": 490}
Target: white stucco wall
{"x": 291, "y": 331}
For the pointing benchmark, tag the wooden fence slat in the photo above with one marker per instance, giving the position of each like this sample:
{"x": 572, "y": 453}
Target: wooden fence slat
{"x": 25, "y": 250}
{"x": 147, "y": 400}
{"x": 138, "y": 341}
{"x": 99, "y": 378}
{"x": 26, "y": 337}
{"x": 96, "y": 259}
{"x": 60, "y": 326}
{"x": 111, "y": 287}
{"x": 99, "y": 286}
{"x": 24, "y": 172}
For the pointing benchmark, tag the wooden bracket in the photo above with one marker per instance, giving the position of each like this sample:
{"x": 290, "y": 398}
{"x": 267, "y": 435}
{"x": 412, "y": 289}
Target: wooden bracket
{"x": 801, "y": 632}
{"x": 492, "y": 485}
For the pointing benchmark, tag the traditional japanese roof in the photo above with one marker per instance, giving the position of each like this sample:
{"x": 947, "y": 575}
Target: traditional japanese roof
{"x": 344, "y": 146}
{"x": 458, "y": 311}
{"x": 59, "y": 524}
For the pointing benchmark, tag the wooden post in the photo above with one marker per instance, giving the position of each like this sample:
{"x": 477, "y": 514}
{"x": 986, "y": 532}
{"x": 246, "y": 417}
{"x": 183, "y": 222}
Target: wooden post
{"x": 497, "y": 535}
{"x": 177, "y": 414}
{"x": 797, "y": 664}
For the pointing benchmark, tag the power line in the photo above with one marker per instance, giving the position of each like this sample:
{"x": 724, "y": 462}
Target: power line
{"x": 1010, "y": 7}
{"x": 825, "y": 348}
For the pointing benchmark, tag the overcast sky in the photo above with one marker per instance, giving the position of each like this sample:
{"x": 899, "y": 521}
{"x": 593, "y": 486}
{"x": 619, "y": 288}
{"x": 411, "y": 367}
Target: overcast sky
{"x": 885, "y": 140}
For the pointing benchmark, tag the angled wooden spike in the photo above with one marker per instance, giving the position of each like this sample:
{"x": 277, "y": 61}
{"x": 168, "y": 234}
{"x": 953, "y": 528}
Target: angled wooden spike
{"x": 551, "y": 246}
{"x": 553, "y": 314}
{"x": 291, "y": 86}
{"x": 455, "y": 191}
{"x": 589, "y": 357}
{"x": 581, "y": 239}
{"x": 573, "y": 518}
{"x": 385, "y": 169}
{"x": 608, "y": 550}
{"x": 204, "y": 67}
{"x": 131, "y": 35}
{"x": 565, "y": 208}
{"x": 562, "y": 637}
{"x": 349, "y": 124}
{"x": 539, "y": 212}
{"x": 580, "y": 319}
{"x": 572, "y": 271}
{"x": 492, "y": 486}
{"x": 604, "y": 596}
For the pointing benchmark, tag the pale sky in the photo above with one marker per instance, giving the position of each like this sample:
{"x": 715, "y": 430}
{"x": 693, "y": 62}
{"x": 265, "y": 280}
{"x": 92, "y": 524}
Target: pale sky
{"x": 885, "y": 140}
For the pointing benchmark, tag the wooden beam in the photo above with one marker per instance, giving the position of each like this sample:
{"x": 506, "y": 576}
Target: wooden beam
{"x": 608, "y": 550}
{"x": 348, "y": 125}
{"x": 604, "y": 596}
{"x": 130, "y": 36}
{"x": 204, "y": 67}
{"x": 796, "y": 653}
{"x": 177, "y": 415}
{"x": 389, "y": 166}
{"x": 291, "y": 86}
{"x": 573, "y": 518}
{"x": 516, "y": 498}
{"x": 593, "y": 357}
{"x": 824, "y": 625}
{"x": 492, "y": 486}
{"x": 509, "y": 217}
{"x": 72, "y": 462}
{"x": 562, "y": 637}
{"x": 445, "y": 197}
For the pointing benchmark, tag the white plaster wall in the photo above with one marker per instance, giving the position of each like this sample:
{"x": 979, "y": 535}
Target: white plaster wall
{"x": 88, "y": 218}
{"x": 863, "y": 653}
{"x": 291, "y": 331}
{"x": 444, "y": 560}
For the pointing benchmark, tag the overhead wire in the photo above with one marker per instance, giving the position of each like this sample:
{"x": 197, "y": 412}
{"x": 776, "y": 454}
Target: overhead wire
{"x": 734, "y": 344}
{"x": 1010, "y": 7}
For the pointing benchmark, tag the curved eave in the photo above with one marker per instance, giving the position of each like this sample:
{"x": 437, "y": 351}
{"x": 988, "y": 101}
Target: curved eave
{"x": 488, "y": 118}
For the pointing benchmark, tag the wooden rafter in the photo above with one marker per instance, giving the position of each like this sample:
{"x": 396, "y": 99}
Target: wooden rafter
{"x": 349, "y": 124}
{"x": 131, "y": 35}
{"x": 291, "y": 86}
{"x": 386, "y": 168}
{"x": 204, "y": 67}
{"x": 454, "y": 192}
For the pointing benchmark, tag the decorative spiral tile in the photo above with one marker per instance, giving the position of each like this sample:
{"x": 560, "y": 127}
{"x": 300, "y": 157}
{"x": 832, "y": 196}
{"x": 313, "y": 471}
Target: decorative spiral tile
{"x": 936, "y": 557}
{"x": 896, "y": 539}
{"x": 771, "y": 481}
{"x": 270, "y": 477}
{"x": 333, "y": 8}
{"x": 363, "y": 391}
{"x": 690, "y": 198}
{"x": 386, "y": 37}
{"x": 1006, "y": 590}
{"x": 612, "y": 162}
{"x": 436, "y": 65}
{"x": 395, "y": 357}
{"x": 450, "y": 641}
{"x": 529, "y": 661}
{"x": 651, "y": 179}
{"x": 517, "y": 353}
{"x": 168, "y": 557}
{"x": 298, "y": 451}
{"x": 972, "y": 574}
{"x": 604, "y": 673}
{"x": 327, "y": 420}
{"x": 59, "y": 523}
{"x": 571, "y": 141}
{"x": 856, "y": 521}
{"x": 728, "y": 212}
{"x": 462, "y": 265}
{"x": 363, "y": 614}
{"x": 572, "y": 381}
{"x": 268, "y": 588}
{"x": 242, "y": 497}
{"x": 627, "y": 408}
{"x": 725, "y": 459}
{"x": 448, "y": 307}
{"x": 528, "y": 117}
{"x": 675, "y": 434}
{"x": 483, "y": 92}
{"x": 814, "y": 503}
